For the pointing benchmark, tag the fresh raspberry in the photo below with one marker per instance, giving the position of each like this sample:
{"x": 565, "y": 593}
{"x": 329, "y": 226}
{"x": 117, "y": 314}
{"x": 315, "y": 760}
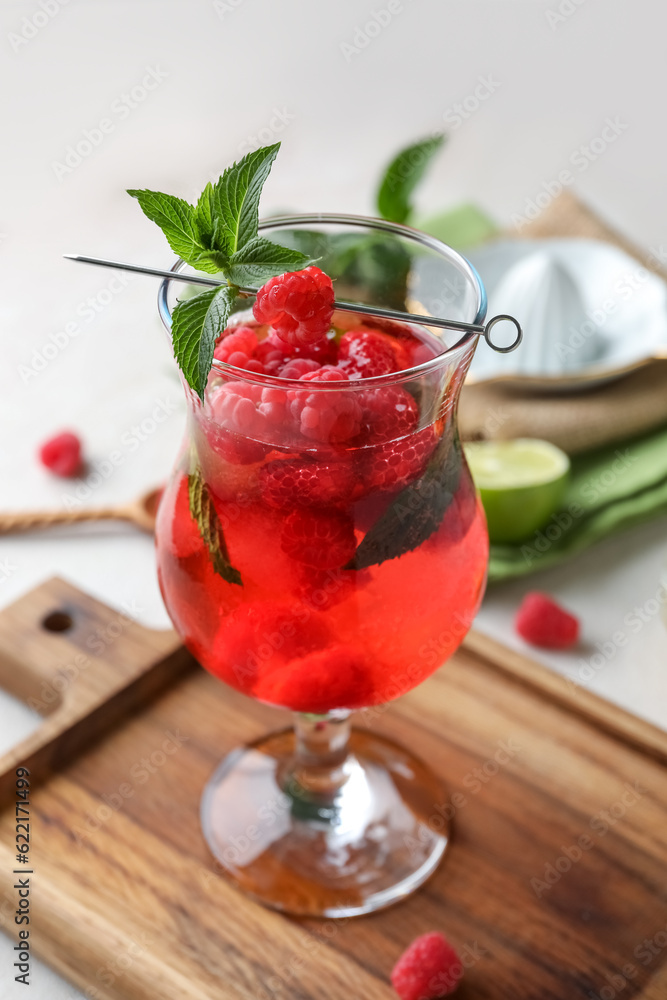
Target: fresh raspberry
{"x": 429, "y": 968}
{"x": 249, "y": 410}
{"x": 271, "y": 358}
{"x": 397, "y": 463}
{"x": 365, "y": 353}
{"x": 324, "y": 351}
{"x": 306, "y": 483}
{"x": 265, "y": 635}
{"x": 322, "y": 539}
{"x": 237, "y": 348}
{"x": 298, "y": 305}
{"x": 542, "y": 622}
{"x": 388, "y": 413}
{"x": 62, "y": 454}
{"x": 326, "y": 415}
{"x": 337, "y": 677}
{"x": 296, "y": 367}
{"x": 234, "y": 448}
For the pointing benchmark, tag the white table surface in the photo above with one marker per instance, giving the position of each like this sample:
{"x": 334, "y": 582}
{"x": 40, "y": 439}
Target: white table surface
{"x": 223, "y": 73}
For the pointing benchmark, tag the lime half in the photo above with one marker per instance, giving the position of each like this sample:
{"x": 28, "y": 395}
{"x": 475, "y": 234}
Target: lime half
{"x": 521, "y": 483}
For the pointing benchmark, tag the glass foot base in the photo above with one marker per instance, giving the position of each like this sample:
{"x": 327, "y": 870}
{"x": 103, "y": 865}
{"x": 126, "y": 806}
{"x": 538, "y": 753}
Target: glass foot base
{"x": 355, "y": 840}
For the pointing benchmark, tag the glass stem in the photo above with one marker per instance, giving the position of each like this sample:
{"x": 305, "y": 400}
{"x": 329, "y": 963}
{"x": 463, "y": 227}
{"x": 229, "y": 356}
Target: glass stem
{"x": 321, "y": 762}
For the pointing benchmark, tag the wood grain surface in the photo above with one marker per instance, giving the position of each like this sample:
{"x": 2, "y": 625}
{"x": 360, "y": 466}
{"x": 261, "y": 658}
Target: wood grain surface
{"x": 129, "y": 905}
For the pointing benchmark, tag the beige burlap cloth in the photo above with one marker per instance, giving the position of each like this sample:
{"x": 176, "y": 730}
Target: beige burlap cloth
{"x": 574, "y": 421}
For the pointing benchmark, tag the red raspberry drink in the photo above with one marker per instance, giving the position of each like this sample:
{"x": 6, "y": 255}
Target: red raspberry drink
{"x": 321, "y": 548}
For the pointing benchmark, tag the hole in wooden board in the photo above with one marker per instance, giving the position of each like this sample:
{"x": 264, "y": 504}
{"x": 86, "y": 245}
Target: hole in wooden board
{"x": 57, "y": 621}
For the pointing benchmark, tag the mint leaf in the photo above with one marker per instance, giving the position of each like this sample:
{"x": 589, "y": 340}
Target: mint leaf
{"x": 235, "y": 199}
{"x": 196, "y": 325}
{"x": 206, "y": 518}
{"x": 260, "y": 259}
{"x": 205, "y": 214}
{"x": 417, "y": 512}
{"x": 402, "y": 176}
{"x": 177, "y": 220}
{"x": 218, "y": 234}
{"x": 211, "y": 261}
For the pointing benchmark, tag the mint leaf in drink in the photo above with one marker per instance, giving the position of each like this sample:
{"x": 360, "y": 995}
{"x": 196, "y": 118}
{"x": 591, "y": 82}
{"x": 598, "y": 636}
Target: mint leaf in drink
{"x": 402, "y": 176}
{"x": 206, "y": 518}
{"x": 417, "y": 512}
{"x": 260, "y": 259}
{"x": 196, "y": 325}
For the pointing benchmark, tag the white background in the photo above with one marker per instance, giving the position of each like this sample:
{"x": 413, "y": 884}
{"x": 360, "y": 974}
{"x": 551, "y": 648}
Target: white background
{"x": 285, "y": 70}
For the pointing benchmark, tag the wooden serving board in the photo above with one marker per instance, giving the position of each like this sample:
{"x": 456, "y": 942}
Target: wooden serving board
{"x": 555, "y": 787}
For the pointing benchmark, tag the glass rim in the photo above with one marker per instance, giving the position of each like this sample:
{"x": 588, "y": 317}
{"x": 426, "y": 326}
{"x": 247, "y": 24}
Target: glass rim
{"x": 361, "y": 222}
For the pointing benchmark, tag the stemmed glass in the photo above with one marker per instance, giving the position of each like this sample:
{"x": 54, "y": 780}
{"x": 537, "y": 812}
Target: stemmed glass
{"x": 330, "y": 573}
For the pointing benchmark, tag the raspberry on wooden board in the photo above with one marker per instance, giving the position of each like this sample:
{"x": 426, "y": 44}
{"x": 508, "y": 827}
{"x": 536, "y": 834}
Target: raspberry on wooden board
{"x": 428, "y": 969}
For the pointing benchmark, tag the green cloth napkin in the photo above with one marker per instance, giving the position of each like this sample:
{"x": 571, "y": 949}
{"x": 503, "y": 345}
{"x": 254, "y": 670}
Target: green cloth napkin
{"x": 612, "y": 488}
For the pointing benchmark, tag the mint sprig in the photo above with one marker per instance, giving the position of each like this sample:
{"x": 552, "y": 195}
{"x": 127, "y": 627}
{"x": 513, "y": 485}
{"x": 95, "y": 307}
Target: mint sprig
{"x": 218, "y": 235}
{"x": 203, "y": 512}
{"x": 402, "y": 176}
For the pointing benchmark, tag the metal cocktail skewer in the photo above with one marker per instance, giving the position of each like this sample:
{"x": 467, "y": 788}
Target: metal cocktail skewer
{"x": 405, "y": 317}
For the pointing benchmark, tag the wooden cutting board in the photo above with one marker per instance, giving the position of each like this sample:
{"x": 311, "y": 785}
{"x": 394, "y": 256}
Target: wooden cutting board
{"x": 553, "y": 887}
